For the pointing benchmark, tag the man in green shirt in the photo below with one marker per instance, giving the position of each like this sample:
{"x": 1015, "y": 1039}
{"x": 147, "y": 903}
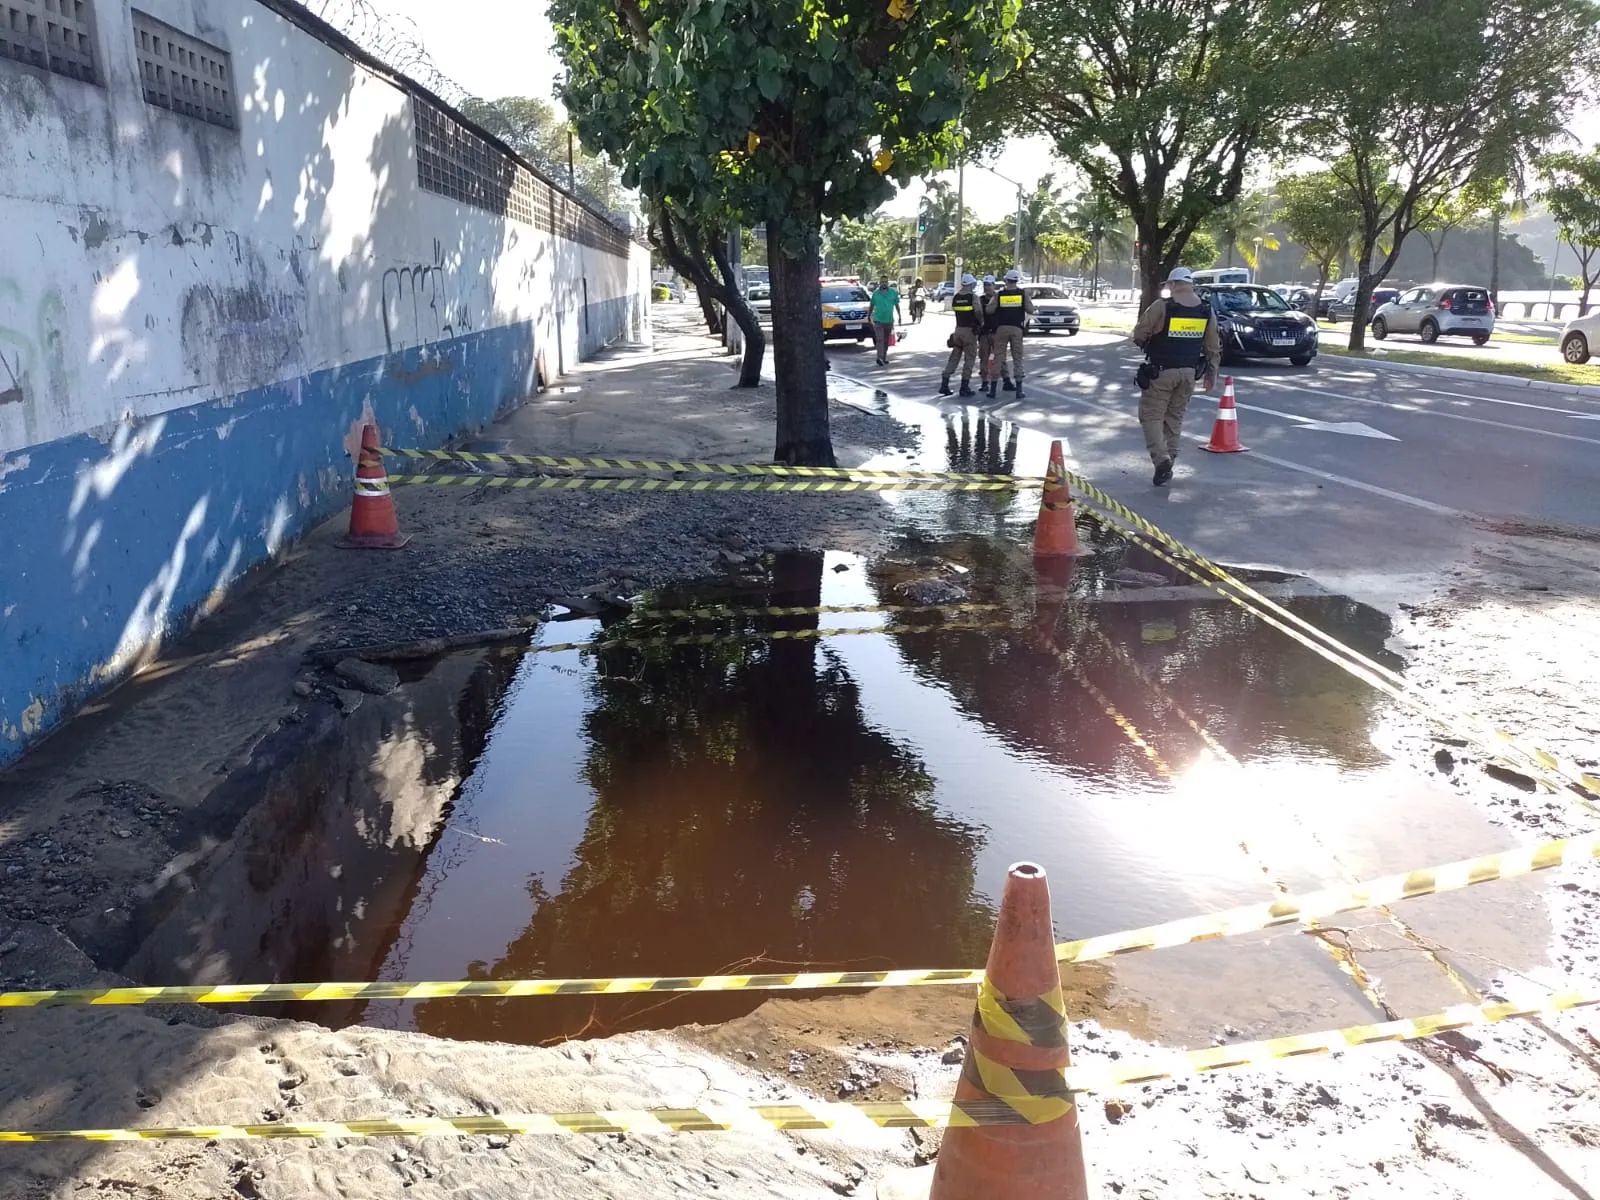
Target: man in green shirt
{"x": 885, "y": 308}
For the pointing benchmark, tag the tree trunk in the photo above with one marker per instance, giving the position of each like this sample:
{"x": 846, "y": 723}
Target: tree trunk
{"x": 1494, "y": 262}
{"x": 708, "y": 309}
{"x": 755, "y": 341}
{"x": 1436, "y": 250}
{"x": 1156, "y": 260}
{"x": 1094, "y": 283}
{"x": 1366, "y": 281}
{"x": 803, "y": 438}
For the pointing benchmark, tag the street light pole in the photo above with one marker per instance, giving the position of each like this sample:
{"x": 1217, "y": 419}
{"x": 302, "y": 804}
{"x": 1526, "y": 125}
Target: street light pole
{"x": 1260, "y": 275}
{"x": 961, "y": 204}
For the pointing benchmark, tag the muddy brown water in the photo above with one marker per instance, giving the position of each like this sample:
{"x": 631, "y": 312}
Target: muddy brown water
{"x": 853, "y": 801}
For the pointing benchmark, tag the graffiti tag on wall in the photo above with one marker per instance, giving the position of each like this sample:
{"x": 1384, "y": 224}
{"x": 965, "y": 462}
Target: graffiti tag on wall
{"x": 417, "y": 304}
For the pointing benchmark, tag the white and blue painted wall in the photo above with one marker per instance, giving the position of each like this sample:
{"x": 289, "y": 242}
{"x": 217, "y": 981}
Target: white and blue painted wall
{"x": 196, "y": 320}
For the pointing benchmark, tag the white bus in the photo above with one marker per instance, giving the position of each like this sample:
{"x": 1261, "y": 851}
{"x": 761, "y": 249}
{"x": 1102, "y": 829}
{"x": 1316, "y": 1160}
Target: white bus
{"x": 1223, "y": 275}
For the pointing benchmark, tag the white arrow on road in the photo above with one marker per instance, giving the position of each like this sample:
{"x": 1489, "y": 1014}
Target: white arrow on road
{"x": 1353, "y": 428}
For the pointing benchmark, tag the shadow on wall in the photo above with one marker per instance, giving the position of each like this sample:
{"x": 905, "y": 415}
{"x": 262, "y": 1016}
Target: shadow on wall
{"x": 182, "y": 385}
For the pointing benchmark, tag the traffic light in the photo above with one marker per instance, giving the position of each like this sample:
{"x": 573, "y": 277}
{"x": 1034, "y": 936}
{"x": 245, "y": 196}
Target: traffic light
{"x": 922, "y": 226}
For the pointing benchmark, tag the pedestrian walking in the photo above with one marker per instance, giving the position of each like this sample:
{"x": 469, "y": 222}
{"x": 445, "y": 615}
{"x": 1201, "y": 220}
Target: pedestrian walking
{"x": 1012, "y": 308}
{"x": 987, "y": 322}
{"x": 964, "y": 341}
{"x": 1180, "y": 343}
{"x": 885, "y": 310}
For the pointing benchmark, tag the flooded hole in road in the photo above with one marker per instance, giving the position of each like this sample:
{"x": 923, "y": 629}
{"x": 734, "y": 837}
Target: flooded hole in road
{"x": 852, "y": 802}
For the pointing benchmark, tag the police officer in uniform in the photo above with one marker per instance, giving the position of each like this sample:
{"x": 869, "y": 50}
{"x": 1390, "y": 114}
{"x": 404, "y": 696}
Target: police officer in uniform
{"x": 986, "y": 327}
{"x": 1180, "y": 343}
{"x": 1011, "y": 308}
{"x": 964, "y": 341}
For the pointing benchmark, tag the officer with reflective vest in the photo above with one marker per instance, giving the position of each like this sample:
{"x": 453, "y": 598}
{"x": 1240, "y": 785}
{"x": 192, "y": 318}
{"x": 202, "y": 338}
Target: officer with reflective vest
{"x": 986, "y": 328}
{"x": 964, "y": 341}
{"x": 1180, "y": 343}
{"x": 1011, "y": 309}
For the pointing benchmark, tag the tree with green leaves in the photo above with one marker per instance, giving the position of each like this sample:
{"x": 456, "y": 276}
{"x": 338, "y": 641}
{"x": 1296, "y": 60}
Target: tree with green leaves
{"x": 1040, "y": 215}
{"x": 1570, "y": 189}
{"x": 1475, "y": 91}
{"x": 1200, "y": 251}
{"x": 938, "y": 213}
{"x": 794, "y": 112}
{"x": 1454, "y": 209}
{"x": 987, "y": 247}
{"x": 1162, "y": 108}
{"x": 1237, "y": 225}
{"x": 1096, "y": 216}
{"x": 1315, "y": 214}
{"x": 1064, "y": 247}
{"x": 537, "y": 130}
{"x": 875, "y": 245}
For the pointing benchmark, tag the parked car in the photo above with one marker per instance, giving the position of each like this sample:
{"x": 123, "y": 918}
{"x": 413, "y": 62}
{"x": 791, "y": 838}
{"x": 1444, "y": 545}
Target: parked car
{"x": 759, "y": 293}
{"x": 1052, "y": 309}
{"x": 1256, "y": 322}
{"x": 1438, "y": 310}
{"x": 845, "y": 312}
{"x": 1345, "y": 309}
{"x": 944, "y": 291}
{"x": 1580, "y": 337}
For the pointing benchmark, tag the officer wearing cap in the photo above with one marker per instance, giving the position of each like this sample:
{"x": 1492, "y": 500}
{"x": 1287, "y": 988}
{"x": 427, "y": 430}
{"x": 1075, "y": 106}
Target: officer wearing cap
{"x": 1180, "y": 343}
{"x": 964, "y": 341}
{"x": 1011, "y": 308}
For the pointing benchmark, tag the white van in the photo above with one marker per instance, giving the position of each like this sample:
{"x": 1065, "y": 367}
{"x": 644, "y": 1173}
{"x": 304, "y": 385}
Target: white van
{"x": 1222, "y": 275}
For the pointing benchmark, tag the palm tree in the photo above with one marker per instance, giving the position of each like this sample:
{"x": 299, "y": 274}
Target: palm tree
{"x": 1100, "y": 220}
{"x": 1041, "y": 214}
{"x": 1237, "y": 225}
{"x": 938, "y": 214}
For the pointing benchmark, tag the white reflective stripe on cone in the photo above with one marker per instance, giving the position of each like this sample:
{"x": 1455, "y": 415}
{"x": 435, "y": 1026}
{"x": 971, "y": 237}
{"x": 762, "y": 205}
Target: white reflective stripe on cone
{"x": 1227, "y": 414}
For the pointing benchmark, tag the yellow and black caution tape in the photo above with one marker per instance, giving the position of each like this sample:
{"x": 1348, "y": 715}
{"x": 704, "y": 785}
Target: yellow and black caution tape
{"x": 567, "y": 483}
{"x": 571, "y": 463}
{"x": 1036, "y": 1096}
{"x": 720, "y": 612}
{"x": 904, "y": 1114}
{"x": 1248, "y": 918}
{"x": 1541, "y": 764}
{"x": 768, "y": 635}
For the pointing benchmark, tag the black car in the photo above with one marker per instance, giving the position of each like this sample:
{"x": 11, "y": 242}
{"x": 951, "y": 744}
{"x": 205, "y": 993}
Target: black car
{"x": 1345, "y": 309}
{"x": 1256, "y": 322}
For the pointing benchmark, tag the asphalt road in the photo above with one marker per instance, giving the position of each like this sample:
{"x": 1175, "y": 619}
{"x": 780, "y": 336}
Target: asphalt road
{"x": 1376, "y": 482}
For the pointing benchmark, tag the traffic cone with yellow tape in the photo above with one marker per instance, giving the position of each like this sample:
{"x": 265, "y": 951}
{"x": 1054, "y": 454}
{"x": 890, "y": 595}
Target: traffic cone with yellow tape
{"x": 1056, "y": 534}
{"x": 1225, "y": 431}
{"x": 373, "y": 523}
{"x": 1015, "y": 1069}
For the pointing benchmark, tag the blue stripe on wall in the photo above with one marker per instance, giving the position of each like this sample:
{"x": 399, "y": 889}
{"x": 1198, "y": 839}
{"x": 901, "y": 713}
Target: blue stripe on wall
{"x": 104, "y": 542}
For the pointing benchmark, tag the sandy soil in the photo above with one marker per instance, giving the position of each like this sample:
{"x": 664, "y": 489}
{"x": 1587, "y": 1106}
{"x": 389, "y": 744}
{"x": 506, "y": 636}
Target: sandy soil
{"x": 92, "y": 820}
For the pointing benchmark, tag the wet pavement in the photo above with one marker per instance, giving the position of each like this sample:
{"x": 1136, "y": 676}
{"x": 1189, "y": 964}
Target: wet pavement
{"x": 853, "y": 801}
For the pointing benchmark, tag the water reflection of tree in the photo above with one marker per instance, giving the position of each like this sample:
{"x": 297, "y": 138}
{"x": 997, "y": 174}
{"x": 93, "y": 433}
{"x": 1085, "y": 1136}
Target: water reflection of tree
{"x": 745, "y": 816}
{"x": 1247, "y": 683}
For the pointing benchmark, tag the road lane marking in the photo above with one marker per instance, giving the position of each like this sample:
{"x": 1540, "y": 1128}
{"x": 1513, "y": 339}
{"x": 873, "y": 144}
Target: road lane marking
{"x": 1353, "y": 428}
{"x": 1430, "y": 412}
{"x": 1565, "y": 412}
{"x": 1442, "y": 510}
{"x": 1371, "y": 488}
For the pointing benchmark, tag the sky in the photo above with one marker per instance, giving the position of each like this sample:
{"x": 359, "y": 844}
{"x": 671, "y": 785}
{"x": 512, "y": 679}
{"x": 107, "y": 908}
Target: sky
{"x": 519, "y": 60}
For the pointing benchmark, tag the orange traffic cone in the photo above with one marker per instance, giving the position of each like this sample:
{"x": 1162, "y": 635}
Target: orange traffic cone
{"x": 373, "y": 524}
{"x": 1015, "y": 1067}
{"x": 1056, "y": 534}
{"x": 1225, "y": 433}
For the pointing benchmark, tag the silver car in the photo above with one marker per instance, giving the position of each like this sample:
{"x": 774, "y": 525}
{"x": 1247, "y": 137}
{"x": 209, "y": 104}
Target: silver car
{"x": 1438, "y": 310}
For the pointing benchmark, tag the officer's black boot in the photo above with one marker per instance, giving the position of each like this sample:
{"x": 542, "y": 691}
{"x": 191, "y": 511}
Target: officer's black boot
{"x": 1019, "y": 389}
{"x": 1009, "y": 386}
{"x": 966, "y": 388}
{"x": 944, "y": 386}
{"x": 994, "y": 390}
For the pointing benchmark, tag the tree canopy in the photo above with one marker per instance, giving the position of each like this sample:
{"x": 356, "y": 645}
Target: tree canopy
{"x": 791, "y": 112}
{"x": 1570, "y": 189}
{"x": 1163, "y": 108}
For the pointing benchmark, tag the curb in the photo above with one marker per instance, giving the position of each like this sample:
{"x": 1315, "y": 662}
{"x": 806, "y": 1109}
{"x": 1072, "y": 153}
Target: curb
{"x": 1537, "y": 385}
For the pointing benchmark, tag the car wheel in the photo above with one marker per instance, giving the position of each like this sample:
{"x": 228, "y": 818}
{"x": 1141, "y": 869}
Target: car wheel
{"x": 1480, "y": 339}
{"x": 1072, "y": 332}
{"x": 1301, "y": 360}
{"x": 1429, "y": 332}
{"x": 1380, "y": 328}
{"x": 1575, "y": 348}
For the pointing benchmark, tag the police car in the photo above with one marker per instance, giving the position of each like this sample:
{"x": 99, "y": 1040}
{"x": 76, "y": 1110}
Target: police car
{"x": 846, "y": 311}
{"x": 1052, "y": 309}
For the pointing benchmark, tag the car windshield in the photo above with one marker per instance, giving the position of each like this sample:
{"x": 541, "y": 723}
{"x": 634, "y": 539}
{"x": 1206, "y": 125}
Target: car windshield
{"x": 844, "y": 295}
{"x": 1240, "y": 299}
{"x": 1046, "y": 293}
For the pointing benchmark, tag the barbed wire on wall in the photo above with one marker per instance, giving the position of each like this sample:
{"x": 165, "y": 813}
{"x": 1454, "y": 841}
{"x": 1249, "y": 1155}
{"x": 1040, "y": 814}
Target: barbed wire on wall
{"x": 398, "y": 44}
